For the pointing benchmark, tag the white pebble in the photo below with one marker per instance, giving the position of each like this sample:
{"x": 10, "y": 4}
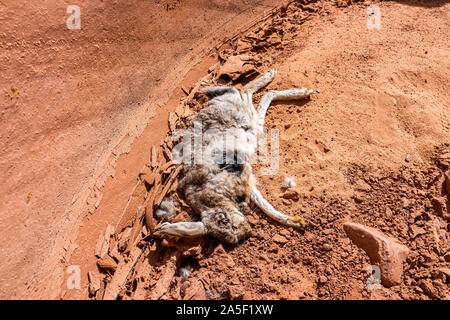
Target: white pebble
{"x": 184, "y": 272}
{"x": 289, "y": 183}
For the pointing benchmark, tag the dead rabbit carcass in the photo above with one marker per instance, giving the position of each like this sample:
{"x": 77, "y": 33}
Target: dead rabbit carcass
{"x": 222, "y": 183}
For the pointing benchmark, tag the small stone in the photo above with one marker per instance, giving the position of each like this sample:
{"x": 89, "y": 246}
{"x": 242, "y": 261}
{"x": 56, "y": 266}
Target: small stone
{"x": 279, "y": 239}
{"x": 107, "y": 263}
{"x": 226, "y": 259}
{"x": 440, "y": 206}
{"x": 362, "y": 186}
{"x": 253, "y": 221}
{"x": 173, "y": 118}
{"x": 243, "y": 46}
{"x": 445, "y": 271}
{"x": 193, "y": 251}
{"x": 326, "y": 247}
{"x": 447, "y": 181}
{"x": 447, "y": 257}
{"x": 408, "y": 157}
{"x": 429, "y": 289}
{"x": 273, "y": 248}
{"x": 145, "y": 171}
{"x": 194, "y": 290}
{"x": 415, "y": 231}
{"x": 235, "y": 293}
{"x": 415, "y": 214}
{"x": 405, "y": 203}
{"x": 237, "y": 65}
{"x": 358, "y": 197}
{"x": 264, "y": 257}
{"x": 169, "y": 242}
{"x": 382, "y": 251}
{"x": 286, "y": 233}
{"x": 291, "y": 194}
{"x": 123, "y": 239}
{"x": 289, "y": 182}
{"x": 388, "y": 212}
{"x": 94, "y": 282}
{"x": 322, "y": 280}
{"x": 99, "y": 245}
{"x": 296, "y": 257}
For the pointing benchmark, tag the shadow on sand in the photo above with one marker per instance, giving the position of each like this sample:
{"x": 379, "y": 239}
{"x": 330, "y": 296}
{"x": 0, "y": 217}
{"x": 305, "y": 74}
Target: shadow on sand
{"x": 422, "y": 3}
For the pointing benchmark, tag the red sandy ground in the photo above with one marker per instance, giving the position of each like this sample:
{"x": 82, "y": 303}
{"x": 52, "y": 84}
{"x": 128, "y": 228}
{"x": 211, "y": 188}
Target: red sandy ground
{"x": 382, "y": 95}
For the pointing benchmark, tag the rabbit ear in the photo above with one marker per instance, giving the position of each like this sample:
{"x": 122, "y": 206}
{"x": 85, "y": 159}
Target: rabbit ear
{"x": 181, "y": 229}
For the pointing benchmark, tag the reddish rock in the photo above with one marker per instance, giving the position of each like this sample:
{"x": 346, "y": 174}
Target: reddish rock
{"x": 94, "y": 282}
{"x": 222, "y": 256}
{"x": 322, "y": 280}
{"x": 291, "y": 194}
{"x": 429, "y": 289}
{"x": 440, "y": 206}
{"x": 286, "y": 233}
{"x": 237, "y": 65}
{"x": 193, "y": 290}
{"x": 193, "y": 251}
{"x": 447, "y": 181}
{"x": 243, "y": 46}
{"x": 279, "y": 239}
{"x": 446, "y": 272}
{"x": 415, "y": 231}
{"x": 235, "y": 293}
{"x": 447, "y": 256}
{"x": 383, "y": 251}
{"x": 107, "y": 263}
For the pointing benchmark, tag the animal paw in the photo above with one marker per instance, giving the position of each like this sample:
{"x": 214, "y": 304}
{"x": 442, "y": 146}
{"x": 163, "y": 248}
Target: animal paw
{"x": 304, "y": 92}
{"x": 300, "y": 221}
{"x": 270, "y": 74}
{"x": 158, "y": 232}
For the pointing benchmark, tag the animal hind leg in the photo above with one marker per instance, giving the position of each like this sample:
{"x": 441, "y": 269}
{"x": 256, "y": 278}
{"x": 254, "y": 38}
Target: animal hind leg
{"x": 286, "y": 95}
{"x": 260, "y": 82}
{"x": 253, "y": 86}
{"x": 267, "y": 208}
